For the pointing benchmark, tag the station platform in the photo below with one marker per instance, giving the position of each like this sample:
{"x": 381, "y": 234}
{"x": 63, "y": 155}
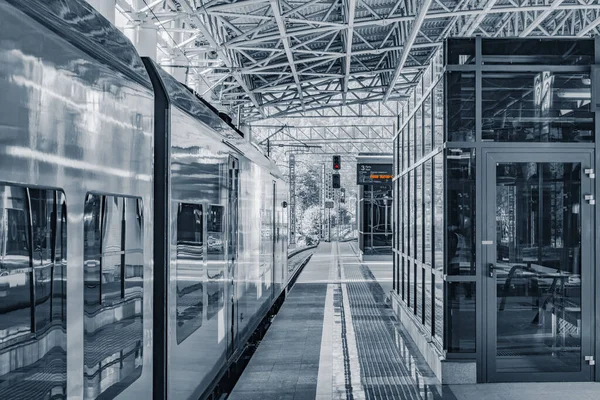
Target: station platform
{"x": 335, "y": 337}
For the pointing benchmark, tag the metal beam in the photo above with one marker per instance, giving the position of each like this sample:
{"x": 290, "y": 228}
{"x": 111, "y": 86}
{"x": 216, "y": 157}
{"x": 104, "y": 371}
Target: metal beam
{"x": 209, "y": 37}
{"x": 540, "y": 18}
{"x": 591, "y": 26}
{"x": 351, "y": 6}
{"x": 416, "y": 27}
{"x": 286, "y": 45}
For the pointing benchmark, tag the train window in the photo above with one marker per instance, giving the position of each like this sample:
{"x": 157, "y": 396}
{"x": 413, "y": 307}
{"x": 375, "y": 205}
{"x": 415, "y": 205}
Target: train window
{"x": 112, "y": 249}
{"x": 134, "y": 254}
{"x": 32, "y": 292}
{"x": 113, "y": 293}
{"x": 215, "y": 225}
{"x": 191, "y": 272}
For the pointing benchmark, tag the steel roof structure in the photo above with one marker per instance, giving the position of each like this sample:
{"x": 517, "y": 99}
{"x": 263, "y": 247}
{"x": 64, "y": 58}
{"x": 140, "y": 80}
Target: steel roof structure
{"x": 283, "y": 57}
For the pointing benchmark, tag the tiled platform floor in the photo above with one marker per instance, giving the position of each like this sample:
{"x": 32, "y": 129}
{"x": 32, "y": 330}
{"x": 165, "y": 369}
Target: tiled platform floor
{"x": 335, "y": 337}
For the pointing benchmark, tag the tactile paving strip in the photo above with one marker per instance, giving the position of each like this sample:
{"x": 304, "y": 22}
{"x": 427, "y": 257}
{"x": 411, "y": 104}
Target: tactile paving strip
{"x": 388, "y": 369}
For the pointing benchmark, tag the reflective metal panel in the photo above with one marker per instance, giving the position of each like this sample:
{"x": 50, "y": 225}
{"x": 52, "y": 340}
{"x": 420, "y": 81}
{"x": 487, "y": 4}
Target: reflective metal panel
{"x": 33, "y": 353}
{"x": 75, "y": 119}
{"x": 113, "y": 319}
{"x": 191, "y": 273}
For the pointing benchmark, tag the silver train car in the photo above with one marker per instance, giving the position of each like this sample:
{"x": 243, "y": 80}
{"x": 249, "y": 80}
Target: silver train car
{"x": 142, "y": 239}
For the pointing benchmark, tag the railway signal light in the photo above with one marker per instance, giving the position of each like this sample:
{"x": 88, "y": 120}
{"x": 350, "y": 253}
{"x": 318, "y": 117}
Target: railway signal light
{"x": 335, "y": 181}
{"x": 337, "y": 162}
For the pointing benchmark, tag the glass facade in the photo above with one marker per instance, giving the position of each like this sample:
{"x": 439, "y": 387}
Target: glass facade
{"x": 419, "y": 189}
{"x": 536, "y": 107}
{"x": 459, "y": 224}
{"x": 376, "y": 224}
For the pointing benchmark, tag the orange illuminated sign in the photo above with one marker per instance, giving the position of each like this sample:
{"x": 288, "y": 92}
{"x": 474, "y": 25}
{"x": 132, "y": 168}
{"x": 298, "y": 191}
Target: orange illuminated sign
{"x": 381, "y": 176}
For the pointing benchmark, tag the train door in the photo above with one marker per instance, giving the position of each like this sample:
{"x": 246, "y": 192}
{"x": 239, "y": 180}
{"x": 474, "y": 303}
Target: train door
{"x": 232, "y": 252}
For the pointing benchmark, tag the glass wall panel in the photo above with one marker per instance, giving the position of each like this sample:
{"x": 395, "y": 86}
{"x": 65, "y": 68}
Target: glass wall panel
{"x": 411, "y": 142}
{"x": 427, "y": 77}
{"x": 419, "y": 134}
{"x": 418, "y": 92}
{"x": 401, "y": 276}
{"x": 428, "y": 300}
{"x": 438, "y": 211}
{"x": 404, "y": 139}
{"x": 438, "y": 114}
{"x": 419, "y": 213}
{"x": 460, "y": 322}
{"x": 460, "y": 51}
{"x": 461, "y": 106}
{"x": 419, "y": 291}
{"x": 537, "y": 51}
{"x": 428, "y": 211}
{"x": 411, "y": 239}
{"x": 395, "y": 156}
{"x": 411, "y": 214}
{"x": 438, "y": 299}
{"x": 537, "y": 107}
{"x": 406, "y": 275}
{"x": 460, "y": 167}
{"x": 404, "y": 206}
{"x": 427, "y": 125}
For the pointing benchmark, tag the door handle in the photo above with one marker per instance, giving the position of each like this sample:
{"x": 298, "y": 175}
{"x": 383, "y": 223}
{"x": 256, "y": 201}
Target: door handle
{"x": 491, "y": 268}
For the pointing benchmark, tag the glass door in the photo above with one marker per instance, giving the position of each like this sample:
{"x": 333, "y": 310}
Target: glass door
{"x": 537, "y": 241}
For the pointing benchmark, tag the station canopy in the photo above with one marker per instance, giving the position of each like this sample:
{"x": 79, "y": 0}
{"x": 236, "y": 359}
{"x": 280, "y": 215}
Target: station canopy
{"x": 271, "y": 58}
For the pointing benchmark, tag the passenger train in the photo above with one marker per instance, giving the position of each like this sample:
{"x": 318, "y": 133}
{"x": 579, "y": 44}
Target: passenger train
{"x": 142, "y": 238}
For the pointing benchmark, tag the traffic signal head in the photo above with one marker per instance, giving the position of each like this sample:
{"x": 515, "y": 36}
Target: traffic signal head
{"x": 335, "y": 181}
{"x": 337, "y": 162}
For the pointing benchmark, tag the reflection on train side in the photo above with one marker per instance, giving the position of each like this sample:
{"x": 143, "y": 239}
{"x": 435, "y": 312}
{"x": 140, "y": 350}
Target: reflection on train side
{"x": 190, "y": 270}
{"x": 194, "y": 278}
{"x": 113, "y": 294}
{"x": 33, "y": 326}
{"x": 216, "y": 259}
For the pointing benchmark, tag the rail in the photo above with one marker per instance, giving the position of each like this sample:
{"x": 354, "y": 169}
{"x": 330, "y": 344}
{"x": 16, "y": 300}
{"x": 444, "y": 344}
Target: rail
{"x": 300, "y": 250}
{"x": 294, "y": 268}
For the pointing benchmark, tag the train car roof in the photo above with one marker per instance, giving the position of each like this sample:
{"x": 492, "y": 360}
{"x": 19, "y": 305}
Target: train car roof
{"x": 80, "y": 24}
{"x": 182, "y": 98}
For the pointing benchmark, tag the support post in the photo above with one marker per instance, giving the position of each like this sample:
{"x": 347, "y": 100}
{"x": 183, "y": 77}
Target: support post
{"x": 142, "y": 32}
{"x": 105, "y": 7}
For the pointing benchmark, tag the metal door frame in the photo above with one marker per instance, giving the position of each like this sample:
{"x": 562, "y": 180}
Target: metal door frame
{"x": 490, "y": 157}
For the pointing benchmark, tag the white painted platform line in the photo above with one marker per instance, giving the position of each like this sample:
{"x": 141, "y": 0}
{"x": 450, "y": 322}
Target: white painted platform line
{"x": 325, "y": 375}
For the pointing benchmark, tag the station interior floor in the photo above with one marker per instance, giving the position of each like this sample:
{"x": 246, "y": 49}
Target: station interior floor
{"x": 335, "y": 337}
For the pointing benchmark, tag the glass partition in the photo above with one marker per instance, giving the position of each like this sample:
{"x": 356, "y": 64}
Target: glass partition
{"x": 537, "y": 107}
